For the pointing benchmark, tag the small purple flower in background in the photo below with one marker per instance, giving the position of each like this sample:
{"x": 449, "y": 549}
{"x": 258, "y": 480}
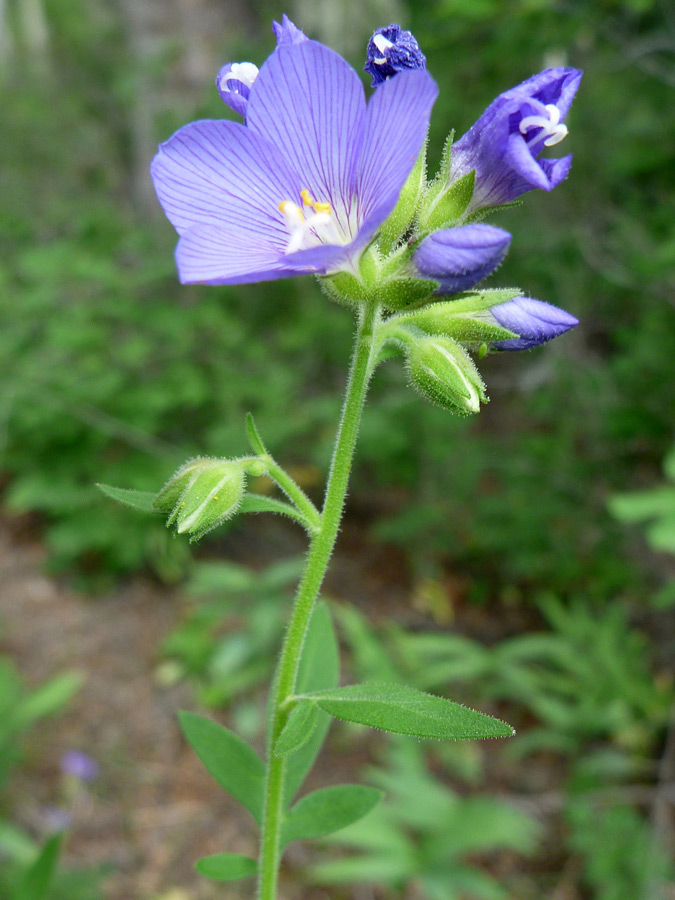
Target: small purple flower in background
{"x": 234, "y": 83}
{"x": 533, "y": 320}
{"x": 461, "y": 257}
{"x": 392, "y": 50}
{"x": 78, "y": 765}
{"x": 303, "y": 187}
{"x": 504, "y": 144}
{"x": 56, "y": 818}
{"x": 235, "y": 80}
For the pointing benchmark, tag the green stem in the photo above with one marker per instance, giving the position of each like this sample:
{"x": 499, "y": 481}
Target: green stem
{"x": 294, "y": 492}
{"x": 320, "y": 551}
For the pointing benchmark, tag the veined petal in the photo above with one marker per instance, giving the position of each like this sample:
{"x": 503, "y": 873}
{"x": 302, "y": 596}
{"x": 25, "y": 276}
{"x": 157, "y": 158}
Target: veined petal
{"x": 310, "y": 104}
{"x": 396, "y": 126}
{"x": 218, "y": 173}
{"x": 221, "y": 254}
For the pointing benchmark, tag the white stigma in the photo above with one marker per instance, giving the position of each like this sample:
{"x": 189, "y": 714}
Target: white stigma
{"x": 548, "y": 127}
{"x": 309, "y": 225}
{"x": 245, "y": 72}
{"x": 383, "y": 44}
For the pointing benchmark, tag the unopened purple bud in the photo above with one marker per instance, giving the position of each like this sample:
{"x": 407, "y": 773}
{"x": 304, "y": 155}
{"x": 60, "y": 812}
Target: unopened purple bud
{"x": 535, "y": 321}
{"x": 234, "y": 83}
{"x": 287, "y": 32}
{"x": 391, "y": 50}
{"x": 78, "y": 765}
{"x": 461, "y": 257}
{"x": 503, "y": 146}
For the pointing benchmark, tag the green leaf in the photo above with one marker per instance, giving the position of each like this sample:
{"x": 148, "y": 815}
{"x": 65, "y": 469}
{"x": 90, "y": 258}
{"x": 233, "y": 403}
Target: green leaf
{"x": 256, "y": 503}
{"x": 37, "y": 880}
{"x": 638, "y": 505}
{"x": 319, "y": 668}
{"x": 253, "y": 436}
{"x": 298, "y": 728}
{"x": 236, "y": 767}
{"x": 47, "y": 699}
{"x": 404, "y": 710}
{"x": 142, "y": 500}
{"x": 328, "y": 810}
{"x": 226, "y": 866}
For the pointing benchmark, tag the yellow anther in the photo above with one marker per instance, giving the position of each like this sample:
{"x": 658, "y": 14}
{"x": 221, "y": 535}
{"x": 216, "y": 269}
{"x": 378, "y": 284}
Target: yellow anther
{"x": 307, "y": 198}
{"x": 321, "y": 208}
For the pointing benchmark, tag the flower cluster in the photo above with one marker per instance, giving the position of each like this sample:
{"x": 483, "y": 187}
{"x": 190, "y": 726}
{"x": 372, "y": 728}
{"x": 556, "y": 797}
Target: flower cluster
{"x": 316, "y": 180}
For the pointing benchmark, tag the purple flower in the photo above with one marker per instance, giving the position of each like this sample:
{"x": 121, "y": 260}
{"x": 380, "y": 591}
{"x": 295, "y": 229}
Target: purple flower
{"x": 78, "y": 765}
{"x": 303, "y": 187}
{"x": 461, "y": 257}
{"x": 234, "y": 83}
{"x": 535, "y": 321}
{"x": 391, "y": 50}
{"x": 504, "y": 144}
{"x": 287, "y": 32}
{"x": 235, "y": 80}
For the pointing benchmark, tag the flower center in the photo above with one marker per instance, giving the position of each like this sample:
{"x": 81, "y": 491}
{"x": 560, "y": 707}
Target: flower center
{"x": 547, "y": 127}
{"x": 310, "y": 223}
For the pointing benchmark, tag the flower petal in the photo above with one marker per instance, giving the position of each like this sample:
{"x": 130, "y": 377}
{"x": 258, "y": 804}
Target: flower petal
{"x": 214, "y": 254}
{"x": 310, "y": 104}
{"x": 218, "y": 173}
{"x": 396, "y": 126}
{"x": 533, "y": 320}
{"x": 461, "y": 257}
{"x": 218, "y": 254}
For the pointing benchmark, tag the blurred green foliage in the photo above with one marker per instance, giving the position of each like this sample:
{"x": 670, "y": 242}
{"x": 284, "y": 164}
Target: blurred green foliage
{"x": 29, "y": 868}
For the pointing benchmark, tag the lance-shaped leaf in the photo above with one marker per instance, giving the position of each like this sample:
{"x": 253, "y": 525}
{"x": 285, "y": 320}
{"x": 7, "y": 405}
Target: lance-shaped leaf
{"x": 298, "y": 729}
{"x": 37, "y": 880}
{"x": 226, "y": 866}
{"x": 236, "y": 767}
{"x": 319, "y": 668}
{"x": 328, "y": 810}
{"x": 405, "y": 710}
{"x": 142, "y": 500}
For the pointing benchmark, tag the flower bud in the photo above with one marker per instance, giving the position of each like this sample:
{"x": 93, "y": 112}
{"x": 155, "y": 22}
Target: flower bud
{"x": 445, "y": 374}
{"x": 460, "y": 257}
{"x": 392, "y": 50}
{"x": 203, "y": 494}
{"x": 534, "y": 321}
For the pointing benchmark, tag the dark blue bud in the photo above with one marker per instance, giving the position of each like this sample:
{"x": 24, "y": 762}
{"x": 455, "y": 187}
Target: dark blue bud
{"x": 392, "y": 50}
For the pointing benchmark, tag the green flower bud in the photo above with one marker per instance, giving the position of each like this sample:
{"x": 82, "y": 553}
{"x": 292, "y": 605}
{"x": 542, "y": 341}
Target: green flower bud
{"x": 167, "y": 499}
{"x": 445, "y": 374}
{"x": 202, "y": 494}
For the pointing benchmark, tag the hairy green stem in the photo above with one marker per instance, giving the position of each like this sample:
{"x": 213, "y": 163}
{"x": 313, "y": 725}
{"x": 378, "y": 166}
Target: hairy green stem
{"x": 320, "y": 551}
{"x": 294, "y": 492}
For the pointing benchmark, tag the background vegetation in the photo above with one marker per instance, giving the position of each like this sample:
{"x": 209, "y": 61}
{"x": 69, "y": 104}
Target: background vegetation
{"x": 500, "y": 526}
